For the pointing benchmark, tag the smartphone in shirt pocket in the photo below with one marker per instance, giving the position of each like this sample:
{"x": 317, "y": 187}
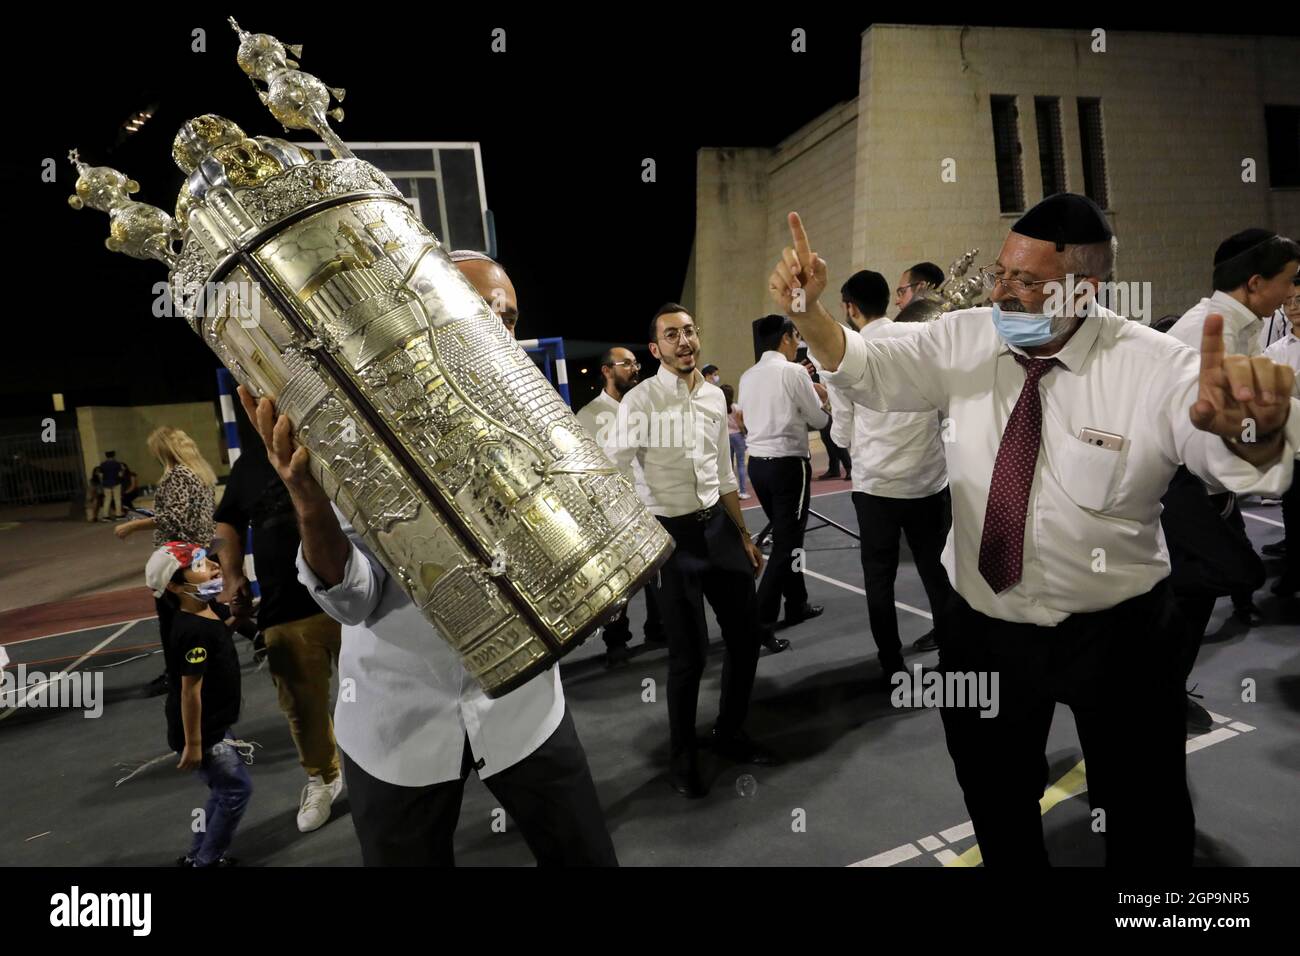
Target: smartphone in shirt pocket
{"x": 1092, "y": 468}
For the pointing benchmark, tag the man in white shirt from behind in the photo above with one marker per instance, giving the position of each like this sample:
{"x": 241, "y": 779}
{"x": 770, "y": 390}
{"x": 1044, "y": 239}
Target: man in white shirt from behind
{"x": 780, "y": 403}
{"x": 1068, "y": 424}
{"x": 900, "y": 483}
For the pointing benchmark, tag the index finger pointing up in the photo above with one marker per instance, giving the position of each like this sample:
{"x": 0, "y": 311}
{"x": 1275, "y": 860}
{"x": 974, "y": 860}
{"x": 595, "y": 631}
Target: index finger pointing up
{"x": 800, "y": 238}
{"x": 1212, "y": 343}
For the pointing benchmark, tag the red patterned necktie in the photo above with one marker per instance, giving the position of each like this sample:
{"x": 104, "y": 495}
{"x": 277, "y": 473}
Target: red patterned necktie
{"x": 1002, "y": 544}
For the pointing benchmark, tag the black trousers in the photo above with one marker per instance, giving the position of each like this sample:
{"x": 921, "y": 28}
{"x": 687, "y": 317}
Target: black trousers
{"x": 784, "y": 487}
{"x": 835, "y": 454}
{"x": 709, "y": 563}
{"x": 549, "y": 795}
{"x": 619, "y": 631}
{"x": 1119, "y": 671}
{"x": 1291, "y": 521}
{"x": 882, "y": 522}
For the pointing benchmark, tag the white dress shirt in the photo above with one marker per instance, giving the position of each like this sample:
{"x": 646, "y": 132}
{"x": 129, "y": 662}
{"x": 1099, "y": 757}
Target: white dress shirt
{"x": 1241, "y": 327}
{"x": 1286, "y": 351}
{"x": 1092, "y": 531}
{"x": 895, "y": 454}
{"x": 600, "y": 415}
{"x": 678, "y": 435}
{"x": 780, "y": 404}
{"x": 405, "y": 718}
{"x": 1275, "y": 328}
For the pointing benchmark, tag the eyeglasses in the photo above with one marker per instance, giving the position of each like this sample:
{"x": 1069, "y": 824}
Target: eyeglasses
{"x": 1015, "y": 286}
{"x": 627, "y": 363}
{"x": 677, "y": 333}
{"x": 903, "y": 288}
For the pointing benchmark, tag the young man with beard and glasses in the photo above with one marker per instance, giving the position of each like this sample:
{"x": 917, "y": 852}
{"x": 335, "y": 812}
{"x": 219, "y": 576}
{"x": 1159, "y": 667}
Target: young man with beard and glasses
{"x": 922, "y": 276}
{"x": 619, "y": 371}
{"x": 1069, "y": 424}
{"x": 675, "y": 426}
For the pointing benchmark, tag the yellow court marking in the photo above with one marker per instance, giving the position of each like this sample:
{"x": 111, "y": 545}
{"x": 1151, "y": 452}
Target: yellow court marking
{"x": 1073, "y": 783}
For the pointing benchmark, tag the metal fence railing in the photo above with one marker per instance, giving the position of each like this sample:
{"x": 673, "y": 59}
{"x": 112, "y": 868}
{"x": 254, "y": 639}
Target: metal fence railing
{"x": 33, "y": 471}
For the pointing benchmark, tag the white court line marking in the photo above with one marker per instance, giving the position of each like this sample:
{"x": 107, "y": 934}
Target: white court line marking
{"x": 960, "y": 832}
{"x": 930, "y": 843}
{"x": 93, "y": 627}
{"x": 1247, "y": 514}
{"x": 1218, "y": 718}
{"x": 1239, "y": 726}
{"x": 900, "y": 854}
{"x": 38, "y": 836}
{"x": 907, "y": 851}
{"x": 946, "y": 857}
{"x": 1206, "y": 740}
{"x": 31, "y": 692}
{"x": 857, "y": 590}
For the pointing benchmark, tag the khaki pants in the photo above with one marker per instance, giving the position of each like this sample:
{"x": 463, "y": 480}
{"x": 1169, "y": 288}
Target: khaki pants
{"x": 113, "y": 501}
{"x": 299, "y": 655}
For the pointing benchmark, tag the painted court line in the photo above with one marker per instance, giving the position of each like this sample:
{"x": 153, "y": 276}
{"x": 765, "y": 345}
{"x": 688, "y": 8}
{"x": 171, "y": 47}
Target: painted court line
{"x": 857, "y": 590}
{"x": 78, "y": 630}
{"x": 1275, "y": 523}
{"x": 71, "y": 667}
{"x": 1072, "y": 784}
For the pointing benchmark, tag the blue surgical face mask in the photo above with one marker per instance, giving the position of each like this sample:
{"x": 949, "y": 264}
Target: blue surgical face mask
{"x": 208, "y": 589}
{"x": 1027, "y": 329}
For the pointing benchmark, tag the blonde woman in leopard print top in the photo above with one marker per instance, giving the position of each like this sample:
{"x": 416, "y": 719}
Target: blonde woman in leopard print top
{"x": 184, "y": 500}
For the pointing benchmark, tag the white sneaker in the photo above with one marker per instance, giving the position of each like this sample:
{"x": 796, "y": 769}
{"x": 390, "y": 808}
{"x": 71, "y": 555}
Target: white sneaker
{"x": 317, "y": 798}
{"x": 744, "y": 496}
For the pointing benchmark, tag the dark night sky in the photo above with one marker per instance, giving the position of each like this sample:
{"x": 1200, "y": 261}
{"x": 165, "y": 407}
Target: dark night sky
{"x": 564, "y": 118}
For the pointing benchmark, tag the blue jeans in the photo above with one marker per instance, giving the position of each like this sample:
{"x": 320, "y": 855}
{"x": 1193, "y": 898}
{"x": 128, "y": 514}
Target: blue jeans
{"x": 738, "y": 446}
{"x": 229, "y": 790}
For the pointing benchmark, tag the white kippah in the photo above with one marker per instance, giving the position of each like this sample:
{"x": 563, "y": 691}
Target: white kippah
{"x": 462, "y": 255}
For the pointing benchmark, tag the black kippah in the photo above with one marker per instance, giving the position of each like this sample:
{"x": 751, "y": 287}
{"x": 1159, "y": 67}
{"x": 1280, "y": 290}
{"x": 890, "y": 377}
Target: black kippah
{"x": 1241, "y": 242}
{"x": 768, "y": 325}
{"x": 1066, "y": 219}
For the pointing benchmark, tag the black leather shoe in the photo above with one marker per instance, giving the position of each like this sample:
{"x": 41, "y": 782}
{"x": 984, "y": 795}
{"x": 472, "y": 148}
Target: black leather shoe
{"x": 1275, "y": 550}
{"x": 740, "y": 748}
{"x": 829, "y": 475}
{"x": 805, "y": 613}
{"x": 776, "y": 644}
{"x": 1199, "y": 720}
{"x": 685, "y": 777}
{"x": 1248, "y": 614}
{"x": 655, "y": 637}
{"x": 927, "y": 642}
{"x": 1287, "y": 585}
{"x": 617, "y": 655}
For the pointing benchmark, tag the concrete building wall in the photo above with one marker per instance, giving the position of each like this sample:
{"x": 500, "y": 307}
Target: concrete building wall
{"x": 729, "y": 272}
{"x": 1180, "y": 114}
{"x": 125, "y": 429}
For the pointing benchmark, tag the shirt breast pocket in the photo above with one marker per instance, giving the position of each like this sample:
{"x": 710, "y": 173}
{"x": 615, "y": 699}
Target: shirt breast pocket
{"x": 1090, "y": 474}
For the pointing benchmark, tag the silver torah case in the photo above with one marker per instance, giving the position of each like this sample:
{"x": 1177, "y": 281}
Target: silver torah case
{"x": 430, "y": 429}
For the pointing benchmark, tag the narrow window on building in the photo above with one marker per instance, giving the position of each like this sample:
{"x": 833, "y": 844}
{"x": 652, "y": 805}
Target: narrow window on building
{"x": 1006, "y": 150}
{"x": 1282, "y": 125}
{"x": 1092, "y": 143}
{"x": 1051, "y": 155}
